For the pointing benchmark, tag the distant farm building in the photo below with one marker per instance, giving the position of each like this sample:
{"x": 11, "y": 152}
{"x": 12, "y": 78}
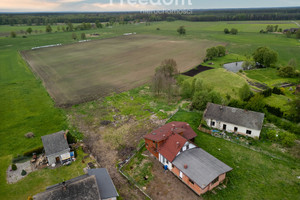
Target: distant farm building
{"x": 96, "y": 185}
{"x": 172, "y": 145}
{"x": 292, "y": 30}
{"x": 56, "y": 148}
{"x": 236, "y": 120}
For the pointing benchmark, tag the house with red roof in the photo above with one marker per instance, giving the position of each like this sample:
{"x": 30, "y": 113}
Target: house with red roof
{"x": 172, "y": 144}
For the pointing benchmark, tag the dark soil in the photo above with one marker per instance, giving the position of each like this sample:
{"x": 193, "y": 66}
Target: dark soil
{"x": 197, "y": 70}
{"x": 259, "y": 85}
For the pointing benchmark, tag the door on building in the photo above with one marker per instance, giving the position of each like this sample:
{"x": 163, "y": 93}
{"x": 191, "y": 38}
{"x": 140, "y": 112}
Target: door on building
{"x": 57, "y": 159}
{"x": 180, "y": 174}
{"x": 224, "y": 127}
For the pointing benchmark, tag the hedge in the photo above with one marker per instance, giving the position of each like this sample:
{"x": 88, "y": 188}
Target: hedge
{"x": 37, "y": 150}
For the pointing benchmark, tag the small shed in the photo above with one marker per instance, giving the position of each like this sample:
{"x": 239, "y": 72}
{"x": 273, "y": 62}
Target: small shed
{"x": 56, "y": 148}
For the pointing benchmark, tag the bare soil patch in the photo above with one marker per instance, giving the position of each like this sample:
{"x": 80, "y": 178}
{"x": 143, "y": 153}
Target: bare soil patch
{"x": 81, "y": 72}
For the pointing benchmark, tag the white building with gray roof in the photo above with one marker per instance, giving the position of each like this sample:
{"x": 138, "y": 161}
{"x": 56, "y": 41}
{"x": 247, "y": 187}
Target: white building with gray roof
{"x": 56, "y": 147}
{"x": 236, "y": 120}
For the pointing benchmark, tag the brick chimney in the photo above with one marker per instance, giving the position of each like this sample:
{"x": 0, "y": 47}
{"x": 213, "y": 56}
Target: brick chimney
{"x": 185, "y": 166}
{"x": 177, "y": 145}
{"x": 65, "y": 134}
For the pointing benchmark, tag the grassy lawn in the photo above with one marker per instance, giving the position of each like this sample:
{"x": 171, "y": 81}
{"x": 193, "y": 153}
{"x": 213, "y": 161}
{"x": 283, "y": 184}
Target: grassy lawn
{"x": 268, "y": 76}
{"x": 278, "y": 101}
{"x": 222, "y": 81}
{"x": 254, "y": 175}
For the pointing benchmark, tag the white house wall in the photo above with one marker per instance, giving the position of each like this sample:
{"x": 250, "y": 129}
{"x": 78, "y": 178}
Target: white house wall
{"x": 230, "y": 128}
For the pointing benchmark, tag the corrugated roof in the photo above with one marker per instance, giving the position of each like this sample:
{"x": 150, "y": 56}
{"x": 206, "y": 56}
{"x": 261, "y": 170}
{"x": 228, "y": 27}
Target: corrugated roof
{"x": 240, "y": 117}
{"x": 158, "y": 134}
{"x": 82, "y": 187}
{"x": 54, "y": 143}
{"x": 202, "y": 168}
{"x": 172, "y": 146}
{"x": 105, "y": 184}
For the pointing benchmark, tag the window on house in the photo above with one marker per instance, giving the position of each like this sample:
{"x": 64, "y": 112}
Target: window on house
{"x": 187, "y": 147}
{"x": 235, "y": 129}
{"x": 215, "y": 180}
{"x": 248, "y": 132}
{"x": 192, "y": 182}
{"x": 212, "y": 123}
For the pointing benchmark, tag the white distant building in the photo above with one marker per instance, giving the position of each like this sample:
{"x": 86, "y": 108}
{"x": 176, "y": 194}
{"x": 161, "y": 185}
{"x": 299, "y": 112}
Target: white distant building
{"x": 236, "y": 120}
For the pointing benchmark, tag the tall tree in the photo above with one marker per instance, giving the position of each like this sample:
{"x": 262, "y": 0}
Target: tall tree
{"x": 83, "y": 37}
{"x": 13, "y": 34}
{"x": 181, "y": 30}
{"x": 265, "y": 56}
{"x": 234, "y": 31}
{"x": 74, "y": 36}
{"x": 298, "y": 34}
{"x": 48, "y": 29}
{"x": 29, "y": 30}
{"x": 221, "y": 50}
{"x": 212, "y": 53}
{"x": 245, "y": 92}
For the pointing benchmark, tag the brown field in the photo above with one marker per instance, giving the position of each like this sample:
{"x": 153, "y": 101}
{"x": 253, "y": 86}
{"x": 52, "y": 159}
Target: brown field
{"x": 82, "y": 72}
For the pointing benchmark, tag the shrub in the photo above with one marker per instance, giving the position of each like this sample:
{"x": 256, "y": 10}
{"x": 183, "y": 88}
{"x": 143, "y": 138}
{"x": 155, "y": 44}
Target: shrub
{"x": 37, "y": 150}
{"x": 287, "y": 139}
{"x": 276, "y": 90}
{"x": 23, "y": 173}
{"x": 29, "y": 198}
{"x": 267, "y": 92}
{"x": 226, "y": 31}
{"x": 287, "y": 71}
{"x": 71, "y": 139}
{"x": 14, "y": 167}
{"x": 234, "y": 31}
{"x": 272, "y": 135}
{"x": 274, "y": 110}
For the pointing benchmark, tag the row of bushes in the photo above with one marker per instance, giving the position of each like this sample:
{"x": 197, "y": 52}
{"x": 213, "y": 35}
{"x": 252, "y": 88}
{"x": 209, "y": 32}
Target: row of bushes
{"x": 284, "y": 138}
{"x": 37, "y": 150}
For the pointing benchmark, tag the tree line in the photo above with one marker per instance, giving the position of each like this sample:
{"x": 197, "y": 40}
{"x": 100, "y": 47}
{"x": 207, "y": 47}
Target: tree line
{"x": 126, "y": 17}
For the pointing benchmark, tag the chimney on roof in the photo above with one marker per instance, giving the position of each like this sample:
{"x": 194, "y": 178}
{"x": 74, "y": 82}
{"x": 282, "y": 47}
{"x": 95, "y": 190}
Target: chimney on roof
{"x": 173, "y": 128}
{"x": 64, "y": 186}
{"x": 65, "y": 134}
{"x": 177, "y": 144}
{"x": 185, "y": 166}
{"x": 164, "y": 136}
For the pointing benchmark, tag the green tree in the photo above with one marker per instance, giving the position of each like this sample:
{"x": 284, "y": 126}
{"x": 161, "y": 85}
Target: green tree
{"x": 226, "y": 31}
{"x": 186, "y": 89}
{"x": 29, "y": 30}
{"x": 265, "y": 56}
{"x": 58, "y": 28}
{"x": 286, "y": 71}
{"x": 234, "y": 31}
{"x": 201, "y": 98}
{"x": 294, "y": 110}
{"x": 74, "y": 36}
{"x": 256, "y": 103}
{"x": 98, "y": 24}
{"x": 221, "y": 50}
{"x": 13, "y": 34}
{"x": 245, "y": 92}
{"x": 48, "y": 29}
{"x": 181, "y": 30}
{"x": 83, "y": 37}
{"x": 70, "y": 27}
{"x": 211, "y": 53}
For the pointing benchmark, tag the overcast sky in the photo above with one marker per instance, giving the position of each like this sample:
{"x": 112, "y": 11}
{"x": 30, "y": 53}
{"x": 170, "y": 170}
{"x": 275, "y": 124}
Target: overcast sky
{"x": 134, "y": 5}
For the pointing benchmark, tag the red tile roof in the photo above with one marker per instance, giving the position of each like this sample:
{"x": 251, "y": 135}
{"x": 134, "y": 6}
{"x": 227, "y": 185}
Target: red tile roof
{"x": 172, "y": 146}
{"x": 166, "y": 130}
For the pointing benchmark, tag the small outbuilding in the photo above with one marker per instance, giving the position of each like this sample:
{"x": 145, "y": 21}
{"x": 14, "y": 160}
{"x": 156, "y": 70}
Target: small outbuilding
{"x": 56, "y": 148}
{"x": 235, "y": 120}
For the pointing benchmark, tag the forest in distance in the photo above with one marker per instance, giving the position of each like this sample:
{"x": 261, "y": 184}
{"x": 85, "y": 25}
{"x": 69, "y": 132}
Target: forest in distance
{"x": 196, "y": 15}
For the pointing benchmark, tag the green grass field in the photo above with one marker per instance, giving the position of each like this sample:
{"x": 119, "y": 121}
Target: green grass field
{"x": 27, "y": 107}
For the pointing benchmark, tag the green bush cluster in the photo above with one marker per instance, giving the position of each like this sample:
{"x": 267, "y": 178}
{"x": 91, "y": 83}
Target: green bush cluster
{"x": 285, "y": 138}
{"x": 23, "y": 173}
{"x": 14, "y": 167}
{"x": 37, "y": 150}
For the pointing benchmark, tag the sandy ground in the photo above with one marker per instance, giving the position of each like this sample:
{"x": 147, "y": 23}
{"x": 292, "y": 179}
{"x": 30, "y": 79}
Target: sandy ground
{"x": 15, "y": 176}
